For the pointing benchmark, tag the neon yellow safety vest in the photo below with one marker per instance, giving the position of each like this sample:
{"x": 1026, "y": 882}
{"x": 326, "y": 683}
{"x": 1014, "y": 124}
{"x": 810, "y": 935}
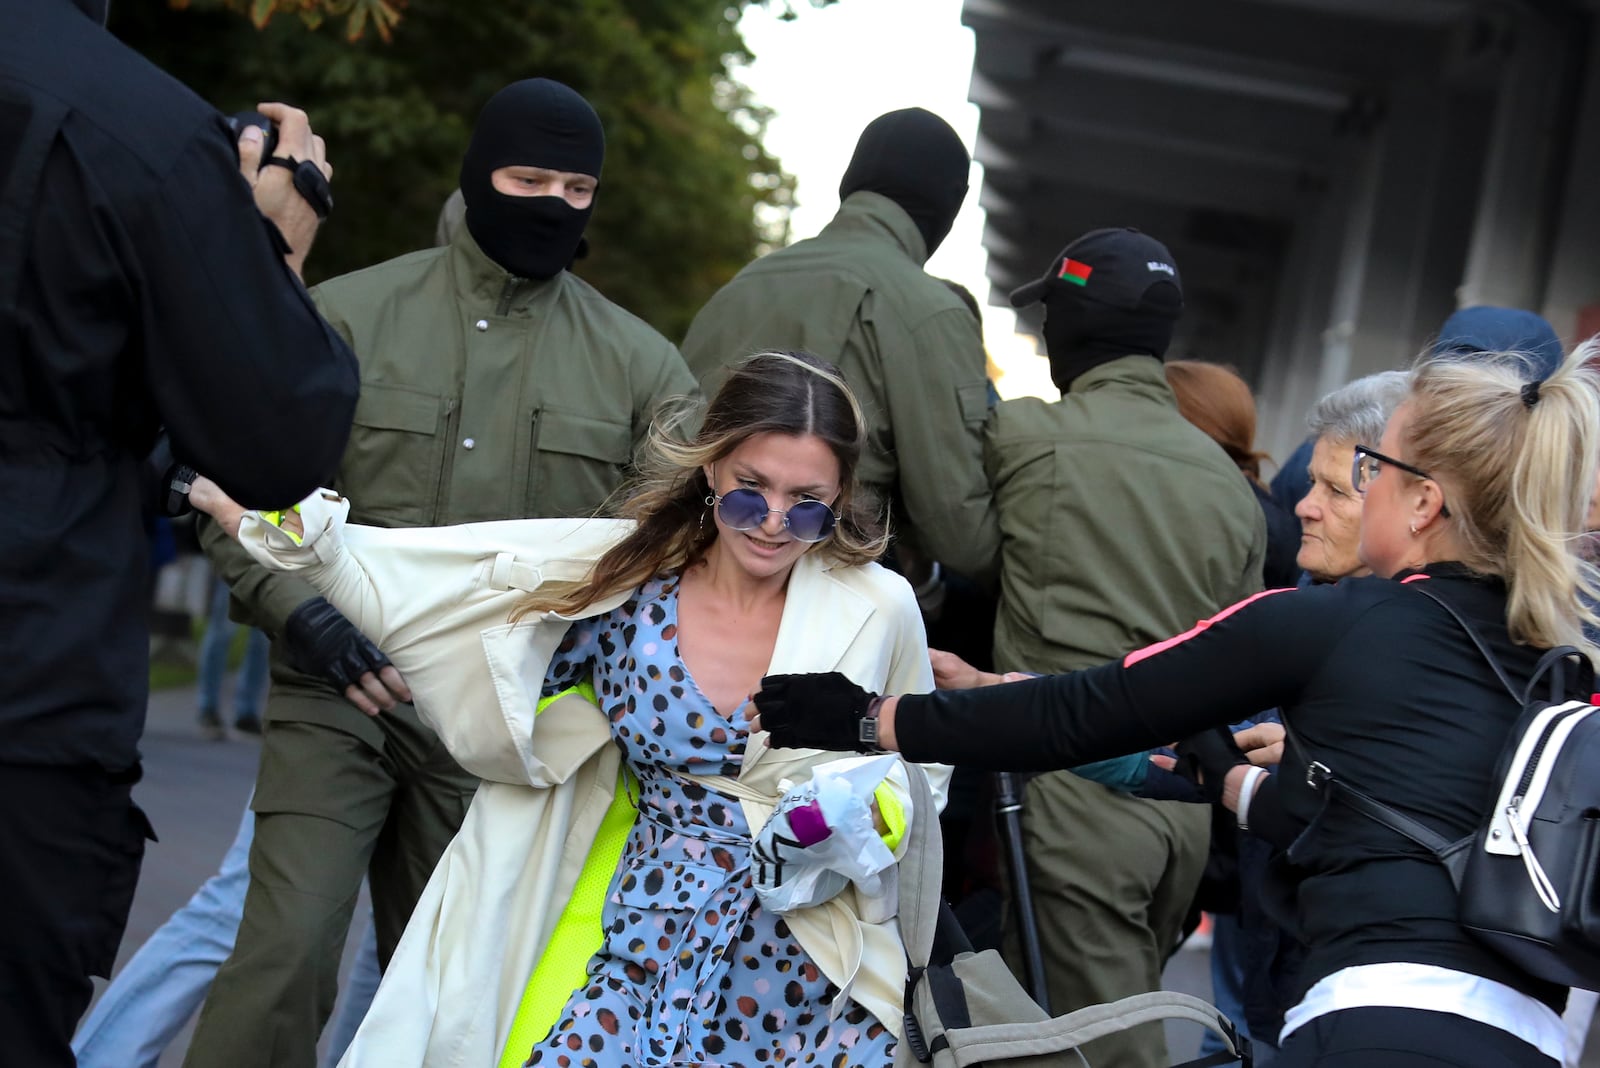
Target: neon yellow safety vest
{"x": 578, "y": 935}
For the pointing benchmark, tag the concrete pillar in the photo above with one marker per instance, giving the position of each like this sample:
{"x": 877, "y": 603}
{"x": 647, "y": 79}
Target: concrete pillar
{"x": 1572, "y": 292}
{"x": 1509, "y": 257}
{"x": 1384, "y": 322}
{"x": 1349, "y": 276}
{"x": 1287, "y": 386}
{"x": 1376, "y": 269}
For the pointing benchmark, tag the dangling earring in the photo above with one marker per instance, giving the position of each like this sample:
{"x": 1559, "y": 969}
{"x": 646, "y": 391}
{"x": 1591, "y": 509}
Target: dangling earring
{"x": 710, "y": 501}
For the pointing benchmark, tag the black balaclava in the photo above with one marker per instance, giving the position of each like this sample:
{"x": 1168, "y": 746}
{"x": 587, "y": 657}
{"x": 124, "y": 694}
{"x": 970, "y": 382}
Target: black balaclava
{"x": 1081, "y": 333}
{"x": 915, "y": 159}
{"x": 532, "y": 123}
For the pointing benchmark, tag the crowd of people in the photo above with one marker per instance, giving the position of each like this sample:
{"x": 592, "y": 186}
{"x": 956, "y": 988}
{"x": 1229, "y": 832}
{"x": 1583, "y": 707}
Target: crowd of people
{"x": 574, "y": 631}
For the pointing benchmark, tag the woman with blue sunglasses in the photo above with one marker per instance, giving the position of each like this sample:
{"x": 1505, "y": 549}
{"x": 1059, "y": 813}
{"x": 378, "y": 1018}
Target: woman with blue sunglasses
{"x": 600, "y": 899}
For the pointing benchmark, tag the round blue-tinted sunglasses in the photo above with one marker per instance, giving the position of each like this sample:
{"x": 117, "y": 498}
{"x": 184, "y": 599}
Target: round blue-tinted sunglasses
{"x": 745, "y": 509}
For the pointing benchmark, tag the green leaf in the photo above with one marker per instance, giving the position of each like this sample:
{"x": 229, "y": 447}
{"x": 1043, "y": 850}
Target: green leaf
{"x": 687, "y": 179}
{"x": 261, "y": 12}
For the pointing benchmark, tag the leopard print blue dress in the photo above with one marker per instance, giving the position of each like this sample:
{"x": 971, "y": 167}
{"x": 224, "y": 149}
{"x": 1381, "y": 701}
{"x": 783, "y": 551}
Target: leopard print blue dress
{"x": 692, "y": 971}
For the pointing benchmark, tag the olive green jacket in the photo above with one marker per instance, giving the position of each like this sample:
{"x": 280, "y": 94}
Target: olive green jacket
{"x": 483, "y": 397}
{"x": 856, "y": 294}
{"x": 1122, "y": 523}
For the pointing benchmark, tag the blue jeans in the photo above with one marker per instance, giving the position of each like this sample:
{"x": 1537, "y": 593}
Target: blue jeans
{"x": 1228, "y": 965}
{"x": 163, "y": 984}
{"x": 252, "y": 682}
{"x": 358, "y": 992}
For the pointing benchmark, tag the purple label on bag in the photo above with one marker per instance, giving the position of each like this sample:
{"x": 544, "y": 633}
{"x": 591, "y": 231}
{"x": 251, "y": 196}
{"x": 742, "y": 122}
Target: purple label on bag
{"x": 808, "y": 825}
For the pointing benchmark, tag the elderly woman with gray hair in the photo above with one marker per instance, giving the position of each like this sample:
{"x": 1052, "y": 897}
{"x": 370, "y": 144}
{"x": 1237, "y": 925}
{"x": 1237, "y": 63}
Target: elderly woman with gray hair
{"x": 1330, "y": 512}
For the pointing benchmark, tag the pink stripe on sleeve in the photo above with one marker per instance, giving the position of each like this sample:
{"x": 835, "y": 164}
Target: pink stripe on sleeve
{"x": 1162, "y": 646}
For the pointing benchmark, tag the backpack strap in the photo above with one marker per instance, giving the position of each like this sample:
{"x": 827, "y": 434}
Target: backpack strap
{"x": 997, "y": 1043}
{"x": 921, "y": 870}
{"x": 1550, "y": 663}
{"x": 1321, "y": 778}
{"x": 1483, "y": 647}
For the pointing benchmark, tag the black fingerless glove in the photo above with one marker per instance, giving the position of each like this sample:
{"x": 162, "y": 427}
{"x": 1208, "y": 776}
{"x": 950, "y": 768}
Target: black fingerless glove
{"x": 823, "y": 711}
{"x": 321, "y": 641}
{"x": 1206, "y": 759}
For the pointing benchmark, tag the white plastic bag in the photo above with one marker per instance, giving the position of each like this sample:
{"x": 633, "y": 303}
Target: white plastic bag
{"x": 822, "y": 837}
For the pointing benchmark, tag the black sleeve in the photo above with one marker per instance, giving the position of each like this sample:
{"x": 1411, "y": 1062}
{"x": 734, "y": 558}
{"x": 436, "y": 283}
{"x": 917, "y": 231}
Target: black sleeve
{"x": 256, "y": 391}
{"x": 1269, "y": 819}
{"x": 1258, "y": 654}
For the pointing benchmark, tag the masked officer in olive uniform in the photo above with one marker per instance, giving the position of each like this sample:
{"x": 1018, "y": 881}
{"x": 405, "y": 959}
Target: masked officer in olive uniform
{"x": 495, "y": 385}
{"x": 856, "y": 294}
{"x": 1122, "y": 525}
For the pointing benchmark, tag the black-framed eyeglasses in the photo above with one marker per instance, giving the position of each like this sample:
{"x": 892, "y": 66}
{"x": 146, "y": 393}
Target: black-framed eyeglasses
{"x": 1369, "y": 461}
{"x": 746, "y": 509}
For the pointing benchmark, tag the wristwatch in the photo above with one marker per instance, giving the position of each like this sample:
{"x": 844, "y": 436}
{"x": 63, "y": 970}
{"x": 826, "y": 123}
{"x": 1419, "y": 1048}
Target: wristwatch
{"x": 180, "y": 480}
{"x": 309, "y": 182}
{"x": 867, "y": 730}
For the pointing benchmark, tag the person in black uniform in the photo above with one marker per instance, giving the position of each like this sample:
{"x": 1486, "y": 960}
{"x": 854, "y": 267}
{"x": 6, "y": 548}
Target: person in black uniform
{"x": 1376, "y": 680}
{"x": 140, "y": 288}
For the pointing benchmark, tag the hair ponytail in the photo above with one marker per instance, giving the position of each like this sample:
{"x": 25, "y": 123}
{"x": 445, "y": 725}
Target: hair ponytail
{"x": 1518, "y": 465}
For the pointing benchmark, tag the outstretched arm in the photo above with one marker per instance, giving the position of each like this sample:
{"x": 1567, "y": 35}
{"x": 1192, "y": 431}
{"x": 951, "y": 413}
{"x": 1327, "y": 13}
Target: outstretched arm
{"x": 1173, "y": 689}
{"x": 438, "y": 600}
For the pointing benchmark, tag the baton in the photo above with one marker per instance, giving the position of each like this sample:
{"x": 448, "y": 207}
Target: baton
{"x": 1008, "y": 807}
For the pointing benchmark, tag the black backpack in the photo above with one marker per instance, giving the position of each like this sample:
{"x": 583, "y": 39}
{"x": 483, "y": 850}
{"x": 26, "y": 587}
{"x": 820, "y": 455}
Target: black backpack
{"x": 1528, "y": 880}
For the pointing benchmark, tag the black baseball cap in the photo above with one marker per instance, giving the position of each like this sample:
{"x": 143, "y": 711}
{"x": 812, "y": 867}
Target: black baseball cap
{"x": 1118, "y": 266}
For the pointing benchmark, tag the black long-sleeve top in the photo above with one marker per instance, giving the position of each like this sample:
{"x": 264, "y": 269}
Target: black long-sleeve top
{"x": 139, "y": 288}
{"x": 1376, "y": 680}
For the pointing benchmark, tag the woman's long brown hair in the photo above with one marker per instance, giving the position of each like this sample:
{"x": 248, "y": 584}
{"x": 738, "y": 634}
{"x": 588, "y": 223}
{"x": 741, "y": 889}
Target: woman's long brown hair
{"x": 770, "y": 392}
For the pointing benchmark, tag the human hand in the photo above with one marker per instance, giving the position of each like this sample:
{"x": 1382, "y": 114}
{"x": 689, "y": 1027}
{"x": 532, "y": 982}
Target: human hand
{"x": 819, "y": 711}
{"x": 950, "y": 672}
{"x": 1262, "y": 744}
{"x": 321, "y": 641}
{"x": 274, "y": 189}
{"x": 1206, "y": 758}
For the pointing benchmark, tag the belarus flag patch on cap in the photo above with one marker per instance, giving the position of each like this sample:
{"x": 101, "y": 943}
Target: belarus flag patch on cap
{"x": 1075, "y": 272}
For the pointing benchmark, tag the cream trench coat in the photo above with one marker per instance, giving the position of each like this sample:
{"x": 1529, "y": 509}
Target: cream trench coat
{"x": 436, "y": 600}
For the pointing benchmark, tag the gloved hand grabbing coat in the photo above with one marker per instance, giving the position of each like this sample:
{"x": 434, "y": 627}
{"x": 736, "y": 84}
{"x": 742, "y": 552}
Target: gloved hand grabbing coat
{"x": 817, "y": 711}
{"x": 321, "y": 641}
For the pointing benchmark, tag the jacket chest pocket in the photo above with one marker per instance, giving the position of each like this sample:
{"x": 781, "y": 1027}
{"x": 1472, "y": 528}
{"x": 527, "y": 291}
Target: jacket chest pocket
{"x": 578, "y": 462}
{"x": 395, "y": 460}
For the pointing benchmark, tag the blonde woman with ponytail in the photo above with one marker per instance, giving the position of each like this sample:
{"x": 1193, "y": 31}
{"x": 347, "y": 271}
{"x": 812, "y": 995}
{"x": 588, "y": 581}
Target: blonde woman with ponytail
{"x": 1517, "y": 459}
{"x": 600, "y": 896}
{"x": 1477, "y": 492}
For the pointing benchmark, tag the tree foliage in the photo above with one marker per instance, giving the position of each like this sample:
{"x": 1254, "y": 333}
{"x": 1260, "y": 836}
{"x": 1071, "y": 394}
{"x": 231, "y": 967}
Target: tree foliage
{"x": 685, "y": 172}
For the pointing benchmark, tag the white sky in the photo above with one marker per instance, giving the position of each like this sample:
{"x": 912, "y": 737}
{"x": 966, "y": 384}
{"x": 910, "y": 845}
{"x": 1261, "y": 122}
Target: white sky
{"x": 834, "y": 69}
